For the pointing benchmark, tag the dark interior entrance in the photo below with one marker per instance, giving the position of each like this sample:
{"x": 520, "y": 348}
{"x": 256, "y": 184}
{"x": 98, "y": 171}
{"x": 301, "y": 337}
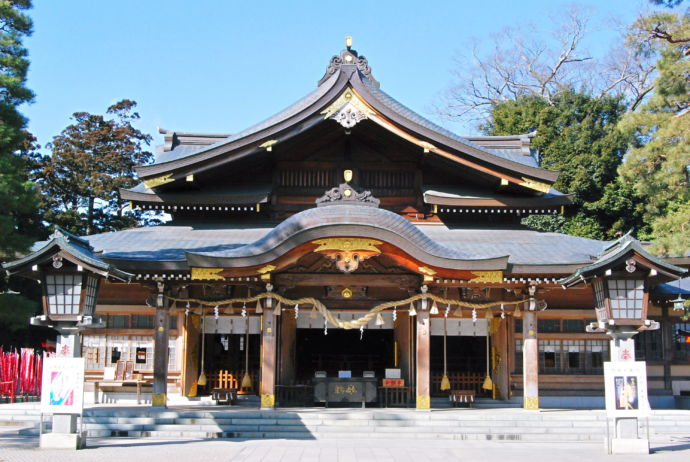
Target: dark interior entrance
{"x": 226, "y": 360}
{"x": 466, "y": 363}
{"x": 343, "y": 350}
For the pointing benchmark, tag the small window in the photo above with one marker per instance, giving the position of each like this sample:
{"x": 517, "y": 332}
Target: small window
{"x": 173, "y": 322}
{"x": 549, "y": 325}
{"x": 118, "y": 321}
{"x": 142, "y": 322}
{"x": 576, "y": 326}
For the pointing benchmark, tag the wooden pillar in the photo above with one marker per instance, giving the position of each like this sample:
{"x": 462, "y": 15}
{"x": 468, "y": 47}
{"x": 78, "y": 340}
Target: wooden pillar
{"x": 499, "y": 357}
{"x": 530, "y": 361}
{"x": 288, "y": 350}
{"x": 423, "y": 360}
{"x": 268, "y": 361}
{"x": 403, "y": 342}
{"x": 190, "y": 360}
{"x": 159, "y": 398}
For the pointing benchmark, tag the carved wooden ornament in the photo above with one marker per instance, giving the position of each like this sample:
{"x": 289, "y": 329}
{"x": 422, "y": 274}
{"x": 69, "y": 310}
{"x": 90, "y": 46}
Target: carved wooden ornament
{"x": 347, "y": 252}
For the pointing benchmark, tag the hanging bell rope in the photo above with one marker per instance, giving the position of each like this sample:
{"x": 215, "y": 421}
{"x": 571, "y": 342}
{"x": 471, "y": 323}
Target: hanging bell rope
{"x": 354, "y": 323}
{"x": 445, "y": 382}
{"x": 202, "y": 378}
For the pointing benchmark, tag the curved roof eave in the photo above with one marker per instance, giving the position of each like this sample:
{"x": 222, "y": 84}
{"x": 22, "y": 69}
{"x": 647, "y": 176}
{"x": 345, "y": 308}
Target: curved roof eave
{"x": 344, "y": 221}
{"x": 433, "y": 132}
{"x": 291, "y": 116}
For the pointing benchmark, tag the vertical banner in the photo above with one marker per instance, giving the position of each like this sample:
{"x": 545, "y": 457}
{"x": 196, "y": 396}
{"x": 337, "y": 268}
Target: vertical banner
{"x": 626, "y": 388}
{"x": 62, "y": 390}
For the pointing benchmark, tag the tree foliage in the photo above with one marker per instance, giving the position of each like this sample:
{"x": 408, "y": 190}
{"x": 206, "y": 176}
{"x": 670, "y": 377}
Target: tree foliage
{"x": 91, "y": 160}
{"x": 18, "y": 198}
{"x": 658, "y": 168}
{"x": 543, "y": 62}
{"x": 576, "y": 134}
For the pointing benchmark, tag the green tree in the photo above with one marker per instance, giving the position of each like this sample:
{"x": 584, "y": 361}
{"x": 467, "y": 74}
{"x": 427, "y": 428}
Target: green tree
{"x": 576, "y": 134}
{"x": 18, "y": 197}
{"x": 658, "y": 168}
{"x": 91, "y": 160}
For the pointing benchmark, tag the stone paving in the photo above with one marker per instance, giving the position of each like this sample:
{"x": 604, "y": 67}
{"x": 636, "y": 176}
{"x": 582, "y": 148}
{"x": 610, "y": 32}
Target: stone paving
{"x": 17, "y": 448}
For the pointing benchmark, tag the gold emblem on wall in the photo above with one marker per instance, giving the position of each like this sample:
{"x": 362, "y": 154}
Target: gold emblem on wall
{"x": 207, "y": 274}
{"x": 347, "y": 252}
{"x": 265, "y": 272}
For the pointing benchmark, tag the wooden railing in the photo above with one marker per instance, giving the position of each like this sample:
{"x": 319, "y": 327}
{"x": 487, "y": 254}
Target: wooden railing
{"x": 458, "y": 381}
{"x": 232, "y": 379}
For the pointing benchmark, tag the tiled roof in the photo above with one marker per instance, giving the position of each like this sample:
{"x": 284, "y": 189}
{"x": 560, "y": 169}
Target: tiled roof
{"x": 171, "y": 241}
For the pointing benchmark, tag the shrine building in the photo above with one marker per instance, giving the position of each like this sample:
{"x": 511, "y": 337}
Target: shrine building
{"x": 347, "y": 249}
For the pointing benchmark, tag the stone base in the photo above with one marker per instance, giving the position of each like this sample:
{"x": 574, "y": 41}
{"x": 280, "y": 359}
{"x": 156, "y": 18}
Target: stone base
{"x": 62, "y": 441}
{"x": 629, "y": 446}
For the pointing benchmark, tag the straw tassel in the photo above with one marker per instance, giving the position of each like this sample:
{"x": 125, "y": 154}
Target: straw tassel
{"x": 445, "y": 382}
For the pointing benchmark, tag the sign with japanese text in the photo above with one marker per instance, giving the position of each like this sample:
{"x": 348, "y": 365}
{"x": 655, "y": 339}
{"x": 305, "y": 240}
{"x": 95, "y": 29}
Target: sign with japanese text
{"x": 62, "y": 390}
{"x": 626, "y": 388}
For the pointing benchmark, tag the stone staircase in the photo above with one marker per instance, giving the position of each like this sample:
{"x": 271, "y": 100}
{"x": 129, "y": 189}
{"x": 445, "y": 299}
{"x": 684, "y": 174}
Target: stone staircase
{"x": 248, "y": 423}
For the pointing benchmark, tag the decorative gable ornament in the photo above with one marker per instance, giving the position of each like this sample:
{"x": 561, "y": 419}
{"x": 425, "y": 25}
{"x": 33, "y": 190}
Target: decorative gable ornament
{"x": 348, "y": 109}
{"x": 347, "y": 194}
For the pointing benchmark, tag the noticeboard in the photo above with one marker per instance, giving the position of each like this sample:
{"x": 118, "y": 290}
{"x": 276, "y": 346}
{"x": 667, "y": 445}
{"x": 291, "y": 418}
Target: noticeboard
{"x": 62, "y": 391}
{"x": 626, "y": 388}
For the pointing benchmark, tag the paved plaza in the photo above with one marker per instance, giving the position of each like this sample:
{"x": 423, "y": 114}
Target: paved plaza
{"x": 18, "y": 448}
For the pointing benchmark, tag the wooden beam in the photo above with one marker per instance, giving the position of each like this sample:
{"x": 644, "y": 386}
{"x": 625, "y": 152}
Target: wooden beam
{"x": 320, "y": 279}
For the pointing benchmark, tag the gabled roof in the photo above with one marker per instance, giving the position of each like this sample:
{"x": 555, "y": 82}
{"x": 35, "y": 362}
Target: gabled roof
{"x": 71, "y": 247}
{"x": 615, "y": 255}
{"x": 351, "y": 73}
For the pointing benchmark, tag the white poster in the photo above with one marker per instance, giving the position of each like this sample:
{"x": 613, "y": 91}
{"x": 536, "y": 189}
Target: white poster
{"x": 62, "y": 391}
{"x": 626, "y": 388}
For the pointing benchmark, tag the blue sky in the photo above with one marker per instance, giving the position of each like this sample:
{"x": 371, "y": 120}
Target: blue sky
{"x": 220, "y": 66}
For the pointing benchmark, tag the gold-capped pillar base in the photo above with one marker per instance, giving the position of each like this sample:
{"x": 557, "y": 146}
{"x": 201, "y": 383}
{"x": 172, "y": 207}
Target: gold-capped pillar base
{"x": 531, "y": 403}
{"x": 268, "y": 401}
{"x": 159, "y": 400}
{"x": 424, "y": 402}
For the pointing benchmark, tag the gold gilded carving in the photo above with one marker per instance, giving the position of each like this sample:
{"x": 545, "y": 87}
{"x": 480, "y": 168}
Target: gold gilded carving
{"x": 265, "y": 272}
{"x": 348, "y": 101}
{"x": 346, "y": 293}
{"x": 536, "y": 185}
{"x": 266, "y": 269}
{"x": 531, "y": 403}
{"x": 347, "y": 252}
{"x": 423, "y": 402}
{"x": 268, "y": 145}
{"x": 159, "y": 180}
{"x": 487, "y": 276}
{"x": 268, "y": 401}
{"x": 207, "y": 273}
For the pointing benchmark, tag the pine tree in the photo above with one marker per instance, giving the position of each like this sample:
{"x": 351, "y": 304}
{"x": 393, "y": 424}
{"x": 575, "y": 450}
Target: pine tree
{"x": 18, "y": 197}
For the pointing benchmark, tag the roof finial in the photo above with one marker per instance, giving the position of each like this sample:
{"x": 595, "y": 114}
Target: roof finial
{"x": 348, "y": 42}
